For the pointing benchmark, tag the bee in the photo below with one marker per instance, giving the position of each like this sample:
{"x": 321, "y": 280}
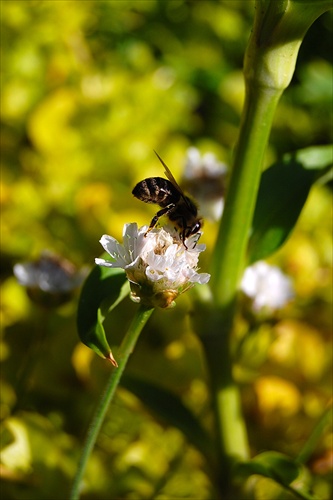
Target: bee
{"x": 178, "y": 207}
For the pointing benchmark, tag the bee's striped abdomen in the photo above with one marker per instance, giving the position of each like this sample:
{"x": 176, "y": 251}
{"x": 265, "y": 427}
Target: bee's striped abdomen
{"x": 156, "y": 190}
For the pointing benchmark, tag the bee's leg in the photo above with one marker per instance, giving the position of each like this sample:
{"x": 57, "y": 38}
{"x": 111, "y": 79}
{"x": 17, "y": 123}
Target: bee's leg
{"x": 183, "y": 234}
{"x": 165, "y": 211}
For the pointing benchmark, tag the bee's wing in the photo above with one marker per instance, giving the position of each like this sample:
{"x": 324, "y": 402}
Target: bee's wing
{"x": 171, "y": 178}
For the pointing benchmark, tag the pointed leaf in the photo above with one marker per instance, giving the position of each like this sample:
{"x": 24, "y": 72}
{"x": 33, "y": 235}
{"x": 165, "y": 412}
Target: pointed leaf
{"x": 283, "y": 191}
{"x": 102, "y": 291}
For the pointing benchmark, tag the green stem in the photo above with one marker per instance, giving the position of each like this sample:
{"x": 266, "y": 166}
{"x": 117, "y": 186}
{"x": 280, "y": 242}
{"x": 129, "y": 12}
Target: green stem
{"x": 125, "y": 350}
{"x": 268, "y": 68}
{"x": 317, "y": 433}
{"x": 227, "y": 267}
{"x": 229, "y": 258}
{"x": 232, "y": 444}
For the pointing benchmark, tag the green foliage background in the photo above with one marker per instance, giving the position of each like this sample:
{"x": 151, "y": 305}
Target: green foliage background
{"x": 89, "y": 89}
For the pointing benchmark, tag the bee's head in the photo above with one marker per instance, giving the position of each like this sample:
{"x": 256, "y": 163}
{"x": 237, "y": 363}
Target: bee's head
{"x": 195, "y": 228}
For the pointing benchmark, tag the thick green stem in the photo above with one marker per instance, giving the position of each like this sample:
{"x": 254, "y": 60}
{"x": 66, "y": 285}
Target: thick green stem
{"x": 232, "y": 443}
{"x": 269, "y": 65}
{"x": 228, "y": 261}
{"x": 227, "y": 267}
{"x": 125, "y": 350}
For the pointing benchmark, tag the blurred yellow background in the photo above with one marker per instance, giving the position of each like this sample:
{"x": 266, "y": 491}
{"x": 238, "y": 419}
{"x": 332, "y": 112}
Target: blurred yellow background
{"x": 89, "y": 90}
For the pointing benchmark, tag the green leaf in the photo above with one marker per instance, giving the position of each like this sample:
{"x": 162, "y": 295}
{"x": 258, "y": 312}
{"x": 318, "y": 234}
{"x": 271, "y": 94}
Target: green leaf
{"x": 283, "y": 191}
{"x": 282, "y": 469}
{"x": 314, "y": 157}
{"x": 102, "y": 291}
{"x": 169, "y": 407}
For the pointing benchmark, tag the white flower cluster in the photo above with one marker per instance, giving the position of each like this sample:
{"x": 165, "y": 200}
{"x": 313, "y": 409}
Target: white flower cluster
{"x": 267, "y": 287}
{"x": 158, "y": 264}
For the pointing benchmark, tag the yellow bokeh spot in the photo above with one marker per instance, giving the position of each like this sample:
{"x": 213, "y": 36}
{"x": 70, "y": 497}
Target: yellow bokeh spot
{"x": 301, "y": 345}
{"x": 49, "y": 124}
{"x": 175, "y": 350}
{"x": 16, "y": 100}
{"x": 232, "y": 88}
{"x": 17, "y": 455}
{"x": 14, "y": 302}
{"x": 81, "y": 359}
{"x": 5, "y": 193}
{"x": 275, "y": 394}
{"x": 94, "y": 197}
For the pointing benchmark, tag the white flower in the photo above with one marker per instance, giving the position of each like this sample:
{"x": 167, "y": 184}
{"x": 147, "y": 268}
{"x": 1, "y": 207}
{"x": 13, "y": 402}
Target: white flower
{"x": 50, "y": 274}
{"x": 266, "y": 286}
{"x": 50, "y": 280}
{"x": 204, "y": 178}
{"x": 157, "y": 264}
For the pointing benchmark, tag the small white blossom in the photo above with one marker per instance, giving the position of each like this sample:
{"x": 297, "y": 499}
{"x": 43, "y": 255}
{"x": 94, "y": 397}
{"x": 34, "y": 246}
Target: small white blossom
{"x": 50, "y": 274}
{"x": 50, "y": 280}
{"x": 157, "y": 264}
{"x": 204, "y": 178}
{"x": 266, "y": 286}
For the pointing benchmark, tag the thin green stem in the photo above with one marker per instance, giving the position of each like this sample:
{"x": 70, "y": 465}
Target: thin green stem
{"x": 126, "y": 348}
{"x": 312, "y": 442}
